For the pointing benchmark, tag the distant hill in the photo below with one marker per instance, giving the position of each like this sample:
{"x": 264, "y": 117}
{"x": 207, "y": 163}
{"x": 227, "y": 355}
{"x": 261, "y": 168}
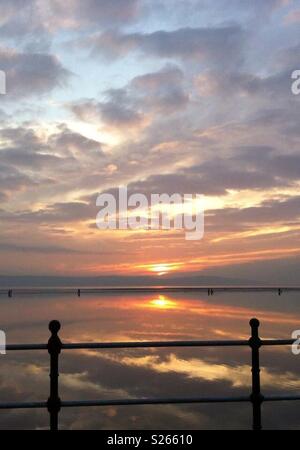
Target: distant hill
{"x": 118, "y": 281}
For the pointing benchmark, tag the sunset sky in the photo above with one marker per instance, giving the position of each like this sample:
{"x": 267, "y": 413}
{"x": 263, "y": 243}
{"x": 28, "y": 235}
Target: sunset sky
{"x": 164, "y": 96}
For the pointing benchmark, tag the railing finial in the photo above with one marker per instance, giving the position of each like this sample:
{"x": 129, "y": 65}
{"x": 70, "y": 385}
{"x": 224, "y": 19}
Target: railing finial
{"x": 254, "y": 323}
{"x": 54, "y": 327}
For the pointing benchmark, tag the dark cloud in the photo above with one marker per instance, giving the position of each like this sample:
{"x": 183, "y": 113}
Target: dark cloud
{"x": 230, "y": 84}
{"x": 55, "y": 213}
{"x": 112, "y": 112}
{"x": 255, "y": 168}
{"x": 62, "y": 159}
{"x": 104, "y": 13}
{"x": 10, "y": 247}
{"x": 278, "y": 163}
{"x": 12, "y": 180}
{"x": 32, "y": 24}
{"x": 78, "y": 146}
{"x": 162, "y": 92}
{"x": 220, "y": 45}
{"x": 269, "y": 212}
{"x": 29, "y": 74}
{"x": 22, "y": 23}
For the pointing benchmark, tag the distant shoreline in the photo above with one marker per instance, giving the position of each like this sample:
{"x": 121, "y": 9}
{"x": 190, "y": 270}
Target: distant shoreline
{"x": 210, "y": 290}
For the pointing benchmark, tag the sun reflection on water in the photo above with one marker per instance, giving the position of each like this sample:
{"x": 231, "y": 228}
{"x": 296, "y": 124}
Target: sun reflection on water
{"x": 162, "y": 302}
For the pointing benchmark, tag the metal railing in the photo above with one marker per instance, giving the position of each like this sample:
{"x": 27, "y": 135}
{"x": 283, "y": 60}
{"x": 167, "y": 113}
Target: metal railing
{"x": 55, "y": 347}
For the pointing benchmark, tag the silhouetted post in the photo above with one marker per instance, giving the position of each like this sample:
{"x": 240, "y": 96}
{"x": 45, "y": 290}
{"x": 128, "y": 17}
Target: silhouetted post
{"x": 256, "y": 397}
{"x": 78, "y": 292}
{"x": 54, "y": 348}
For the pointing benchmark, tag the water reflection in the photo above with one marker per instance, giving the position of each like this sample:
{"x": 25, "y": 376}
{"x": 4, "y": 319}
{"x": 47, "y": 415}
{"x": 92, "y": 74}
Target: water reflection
{"x": 148, "y": 372}
{"x": 162, "y": 302}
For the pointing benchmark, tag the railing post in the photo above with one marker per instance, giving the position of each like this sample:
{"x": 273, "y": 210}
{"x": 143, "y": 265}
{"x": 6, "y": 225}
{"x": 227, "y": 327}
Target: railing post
{"x": 54, "y": 348}
{"x": 256, "y": 396}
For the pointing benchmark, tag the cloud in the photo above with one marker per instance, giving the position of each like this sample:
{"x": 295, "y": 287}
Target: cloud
{"x": 32, "y": 24}
{"x": 268, "y": 212}
{"x": 293, "y": 17}
{"x": 161, "y": 92}
{"x": 256, "y": 168}
{"x": 232, "y": 84}
{"x": 113, "y": 113}
{"x": 9, "y": 247}
{"x": 143, "y": 98}
{"x": 104, "y": 13}
{"x": 54, "y": 213}
{"x": 12, "y": 180}
{"x": 79, "y": 147}
{"x": 219, "y": 45}
{"x": 59, "y": 161}
{"x": 29, "y": 74}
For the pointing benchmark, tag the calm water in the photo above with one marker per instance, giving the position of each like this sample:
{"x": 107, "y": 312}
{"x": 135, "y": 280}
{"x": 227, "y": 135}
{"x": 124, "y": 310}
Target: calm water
{"x": 137, "y": 373}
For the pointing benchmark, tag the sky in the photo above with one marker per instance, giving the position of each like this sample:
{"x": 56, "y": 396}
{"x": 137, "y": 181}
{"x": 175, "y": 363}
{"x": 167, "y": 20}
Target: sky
{"x": 162, "y": 96}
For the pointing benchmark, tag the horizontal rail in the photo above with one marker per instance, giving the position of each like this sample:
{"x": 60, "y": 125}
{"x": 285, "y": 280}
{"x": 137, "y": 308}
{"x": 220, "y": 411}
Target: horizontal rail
{"x": 23, "y": 405}
{"x": 22, "y": 347}
{"x": 155, "y": 401}
{"x": 153, "y": 344}
{"x": 281, "y": 398}
{"x": 146, "y": 401}
{"x": 272, "y": 342}
{"x": 126, "y": 402}
{"x": 150, "y": 344}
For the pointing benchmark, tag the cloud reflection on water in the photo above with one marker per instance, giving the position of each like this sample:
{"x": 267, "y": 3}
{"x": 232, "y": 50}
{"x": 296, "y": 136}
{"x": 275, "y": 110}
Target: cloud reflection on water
{"x": 147, "y": 372}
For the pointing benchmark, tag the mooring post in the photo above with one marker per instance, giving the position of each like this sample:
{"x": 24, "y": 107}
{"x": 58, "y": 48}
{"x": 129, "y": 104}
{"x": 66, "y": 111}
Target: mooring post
{"x": 256, "y": 396}
{"x": 54, "y": 349}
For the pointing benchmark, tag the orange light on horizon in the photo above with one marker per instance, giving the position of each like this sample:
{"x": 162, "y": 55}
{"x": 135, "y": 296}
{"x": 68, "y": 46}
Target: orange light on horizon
{"x": 162, "y": 268}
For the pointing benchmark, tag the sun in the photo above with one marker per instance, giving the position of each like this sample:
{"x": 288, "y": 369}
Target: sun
{"x": 163, "y": 268}
{"x": 160, "y": 269}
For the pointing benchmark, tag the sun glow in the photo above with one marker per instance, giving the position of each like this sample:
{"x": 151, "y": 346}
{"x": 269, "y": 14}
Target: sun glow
{"x": 162, "y": 303}
{"x": 162, "y": 269}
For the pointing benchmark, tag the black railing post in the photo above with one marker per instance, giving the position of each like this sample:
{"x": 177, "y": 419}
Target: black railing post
{"x": 256, "y": 396}
{"x": 54, "y": 348}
